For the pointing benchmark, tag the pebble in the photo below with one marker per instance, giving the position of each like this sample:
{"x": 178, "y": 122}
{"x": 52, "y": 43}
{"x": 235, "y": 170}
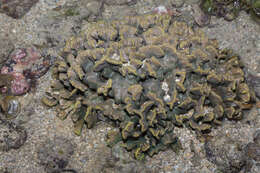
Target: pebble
{"x": 201, "y": 18}
{"x": 16, "y": 8}
{"x": 177, "y": 3}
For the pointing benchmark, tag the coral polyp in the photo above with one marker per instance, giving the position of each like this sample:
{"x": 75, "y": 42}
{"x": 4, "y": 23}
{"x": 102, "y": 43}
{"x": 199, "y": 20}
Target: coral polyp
{"x": 147, "y": 74}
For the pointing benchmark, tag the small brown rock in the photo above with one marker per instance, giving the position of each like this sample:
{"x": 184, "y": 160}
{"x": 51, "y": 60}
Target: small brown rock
{"x": 177, "y": 3}
{"x": 201, "y": 18}
{"x": 16, "y": 8}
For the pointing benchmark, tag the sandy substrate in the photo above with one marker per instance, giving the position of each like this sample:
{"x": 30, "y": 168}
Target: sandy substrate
{"x": 90, "y": 153}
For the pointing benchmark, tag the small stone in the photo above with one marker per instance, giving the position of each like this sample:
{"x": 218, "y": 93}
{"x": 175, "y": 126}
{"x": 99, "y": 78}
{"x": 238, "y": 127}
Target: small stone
{"x": 253, "y": 151}
{"x": 94, "y": 9}
{"x": 177, "y": 3}
{"x": 201, "y": 18}
{"x": 16, "y": 8}
{"x": 257, "y": 133}
{"x": 230, "y": 16}
{"x": 253, "y": 80}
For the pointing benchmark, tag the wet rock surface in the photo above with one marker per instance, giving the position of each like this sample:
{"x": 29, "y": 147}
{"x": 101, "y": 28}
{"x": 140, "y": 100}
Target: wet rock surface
{"x": 16, "y": 8}
{"x": 225, "y": 153}
{"x": 252, "y": 153}
{"x": 116, "y": 160}
{"x": 230, "y": 9}
{"x": 122, "y": 162}
{"x": 12, "y": 136}
{"x": 253, "y": 79}
{"x": 54, "y": 155}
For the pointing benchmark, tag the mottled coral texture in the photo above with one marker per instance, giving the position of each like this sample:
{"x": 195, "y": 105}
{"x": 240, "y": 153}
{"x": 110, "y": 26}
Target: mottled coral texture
{"x": 146, "y": 75}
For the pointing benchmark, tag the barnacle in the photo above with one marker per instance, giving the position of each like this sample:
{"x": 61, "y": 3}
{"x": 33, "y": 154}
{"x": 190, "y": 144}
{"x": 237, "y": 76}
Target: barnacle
{"x": 147, "y": 74}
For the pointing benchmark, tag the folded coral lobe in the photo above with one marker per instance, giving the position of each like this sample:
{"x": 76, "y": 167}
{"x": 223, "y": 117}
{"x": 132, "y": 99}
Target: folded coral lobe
{"x": 147, "y": 74}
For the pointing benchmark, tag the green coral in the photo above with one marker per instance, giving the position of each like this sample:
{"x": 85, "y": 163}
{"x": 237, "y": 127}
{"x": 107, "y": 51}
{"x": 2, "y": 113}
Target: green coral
{"x": 146, "y": 75}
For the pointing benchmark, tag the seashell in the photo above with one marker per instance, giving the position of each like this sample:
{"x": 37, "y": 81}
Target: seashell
{"x": 10, "y": 107}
